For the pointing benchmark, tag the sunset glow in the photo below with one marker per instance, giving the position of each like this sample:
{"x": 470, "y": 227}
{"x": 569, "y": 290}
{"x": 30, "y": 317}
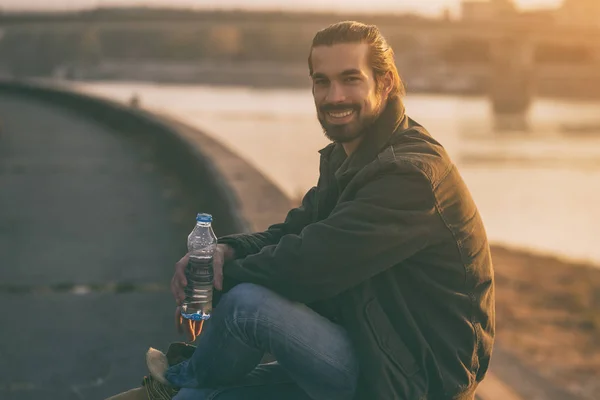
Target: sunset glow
{"x": 431, "y": 7}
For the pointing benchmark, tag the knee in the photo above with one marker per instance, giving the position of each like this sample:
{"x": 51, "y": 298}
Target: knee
{"x": 245, "y": 297}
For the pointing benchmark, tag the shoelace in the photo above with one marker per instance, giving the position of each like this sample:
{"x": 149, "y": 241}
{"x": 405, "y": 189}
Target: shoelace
{"x": 157, "y": 390}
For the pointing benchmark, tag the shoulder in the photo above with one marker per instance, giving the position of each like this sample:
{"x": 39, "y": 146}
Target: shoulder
{"x": 414, "y": 152}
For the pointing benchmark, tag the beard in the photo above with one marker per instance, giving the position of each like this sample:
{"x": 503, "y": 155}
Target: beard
{"x": 357, "y": 127}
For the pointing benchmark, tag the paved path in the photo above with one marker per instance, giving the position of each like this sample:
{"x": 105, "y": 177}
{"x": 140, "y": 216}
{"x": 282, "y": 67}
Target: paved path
{"x": 89, "y": 232}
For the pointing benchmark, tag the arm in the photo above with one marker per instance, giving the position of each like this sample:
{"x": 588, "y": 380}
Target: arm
{"x": 245, "y": 244}
{"x": 390, "y": 219}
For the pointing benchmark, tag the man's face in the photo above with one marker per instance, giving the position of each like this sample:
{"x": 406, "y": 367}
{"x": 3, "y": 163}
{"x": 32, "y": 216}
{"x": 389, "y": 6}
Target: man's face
{"x": 345, "y": 90}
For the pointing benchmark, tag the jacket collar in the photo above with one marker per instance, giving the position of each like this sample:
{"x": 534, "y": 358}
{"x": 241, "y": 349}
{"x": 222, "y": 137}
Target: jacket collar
{"x": 375, "y": 139}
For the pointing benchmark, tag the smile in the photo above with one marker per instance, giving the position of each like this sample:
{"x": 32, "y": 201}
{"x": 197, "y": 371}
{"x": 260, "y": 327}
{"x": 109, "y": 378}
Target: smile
{"x": 340, "y": 114}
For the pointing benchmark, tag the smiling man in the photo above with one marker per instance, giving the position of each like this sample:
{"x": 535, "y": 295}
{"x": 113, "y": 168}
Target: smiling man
{"x": 379, "y": 286}
{"x": 349, "y": 94}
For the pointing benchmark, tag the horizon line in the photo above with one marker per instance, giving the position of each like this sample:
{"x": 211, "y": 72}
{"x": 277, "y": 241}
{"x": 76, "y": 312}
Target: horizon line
{"x": 266, "y": 8}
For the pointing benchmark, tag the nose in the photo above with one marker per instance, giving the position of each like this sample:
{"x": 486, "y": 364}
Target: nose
{"x": 335, "y": 93}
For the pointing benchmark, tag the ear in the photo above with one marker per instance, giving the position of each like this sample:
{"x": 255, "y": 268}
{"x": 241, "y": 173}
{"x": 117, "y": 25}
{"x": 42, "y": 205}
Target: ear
{"x": 388, "y": 83}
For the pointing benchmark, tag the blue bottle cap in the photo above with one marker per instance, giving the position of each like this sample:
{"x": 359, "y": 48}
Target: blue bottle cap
{"x": 201, "y": 217}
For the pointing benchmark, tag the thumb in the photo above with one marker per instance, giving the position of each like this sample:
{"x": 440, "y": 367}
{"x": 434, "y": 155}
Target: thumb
{"x": 178, "y": 320}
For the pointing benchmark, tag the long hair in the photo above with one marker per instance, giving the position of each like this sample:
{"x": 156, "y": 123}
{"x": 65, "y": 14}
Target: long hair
{"x": 381, "y": 55}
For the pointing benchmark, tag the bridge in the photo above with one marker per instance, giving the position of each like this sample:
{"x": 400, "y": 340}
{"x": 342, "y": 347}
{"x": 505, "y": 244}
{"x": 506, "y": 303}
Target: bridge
{"x": 515, "y": 60}
{"x": 96, "y": 201}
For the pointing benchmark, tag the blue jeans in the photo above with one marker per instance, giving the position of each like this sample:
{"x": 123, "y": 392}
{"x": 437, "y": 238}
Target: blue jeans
{"x": 315, "y": 358}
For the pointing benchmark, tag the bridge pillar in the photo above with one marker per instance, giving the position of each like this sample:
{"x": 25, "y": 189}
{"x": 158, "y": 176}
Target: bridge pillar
{"x": 511, "y": 85}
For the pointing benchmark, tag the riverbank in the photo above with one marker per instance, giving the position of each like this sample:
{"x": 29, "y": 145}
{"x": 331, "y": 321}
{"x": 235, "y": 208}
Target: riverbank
{"x": 548, "y": 316}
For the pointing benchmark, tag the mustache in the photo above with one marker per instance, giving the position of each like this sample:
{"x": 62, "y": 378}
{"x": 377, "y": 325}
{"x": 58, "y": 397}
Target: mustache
{"x": 339, "y": 107}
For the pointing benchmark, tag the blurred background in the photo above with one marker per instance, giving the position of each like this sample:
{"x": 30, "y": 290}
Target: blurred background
{"x": 510, "y": 88}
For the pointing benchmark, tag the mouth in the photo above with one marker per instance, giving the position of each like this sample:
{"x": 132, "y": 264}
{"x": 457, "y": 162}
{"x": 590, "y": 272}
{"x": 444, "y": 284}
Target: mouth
{"x": 340, "y": 116}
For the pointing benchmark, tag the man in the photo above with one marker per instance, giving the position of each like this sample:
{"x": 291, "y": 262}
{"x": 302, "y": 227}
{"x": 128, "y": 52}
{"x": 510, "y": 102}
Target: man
{"x": 379, "y": 286}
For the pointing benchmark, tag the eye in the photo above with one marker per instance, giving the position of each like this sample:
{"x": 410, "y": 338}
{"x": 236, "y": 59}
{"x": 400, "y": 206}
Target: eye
{"x": 320, "y": 81}
{"x": 351, "y": 79}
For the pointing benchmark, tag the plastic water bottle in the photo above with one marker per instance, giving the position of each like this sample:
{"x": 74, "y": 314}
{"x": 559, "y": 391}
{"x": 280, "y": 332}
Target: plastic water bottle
{"x": 202, "y": 243}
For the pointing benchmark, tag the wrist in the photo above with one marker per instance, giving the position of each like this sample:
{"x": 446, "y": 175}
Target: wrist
{"x": 228, "y": 252}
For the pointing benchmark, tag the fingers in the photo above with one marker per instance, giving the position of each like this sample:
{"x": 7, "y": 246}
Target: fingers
{"x": 218, "y": 262}
{"x": 194, "y": 329}
{"x": 189, "y": 330}
{"x": 185, "y": 326}
{"x": 178, "y": 320}
{"x": 179, "y": 282}
{"x": 198, "y": 328}
{"x": 218, "y": 281}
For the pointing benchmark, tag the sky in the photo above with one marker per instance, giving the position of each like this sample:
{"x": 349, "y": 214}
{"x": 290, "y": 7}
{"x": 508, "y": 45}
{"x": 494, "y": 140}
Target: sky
{"x": 429, "y": 7}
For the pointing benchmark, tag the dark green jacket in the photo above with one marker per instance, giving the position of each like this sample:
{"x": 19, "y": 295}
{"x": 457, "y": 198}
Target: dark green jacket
{"x": 390, "y": 245}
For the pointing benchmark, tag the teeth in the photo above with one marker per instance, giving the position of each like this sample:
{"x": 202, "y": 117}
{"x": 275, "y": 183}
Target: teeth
{"x": 341, "y": 114}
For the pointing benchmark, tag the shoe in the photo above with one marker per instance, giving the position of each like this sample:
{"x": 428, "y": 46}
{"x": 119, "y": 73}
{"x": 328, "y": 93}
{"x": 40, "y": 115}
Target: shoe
{"x": 155, "y": 386}
{"x": 157, "y": 364}
{"x": 133, "y": 394}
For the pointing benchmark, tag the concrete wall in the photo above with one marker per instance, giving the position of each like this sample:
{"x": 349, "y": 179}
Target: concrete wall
{"x": 202, "y": 183}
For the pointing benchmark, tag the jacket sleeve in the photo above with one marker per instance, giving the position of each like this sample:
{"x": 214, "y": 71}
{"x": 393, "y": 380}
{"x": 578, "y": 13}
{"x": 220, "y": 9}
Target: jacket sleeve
{"x": 390, "y": 219}
{"x": 245, "y": 244}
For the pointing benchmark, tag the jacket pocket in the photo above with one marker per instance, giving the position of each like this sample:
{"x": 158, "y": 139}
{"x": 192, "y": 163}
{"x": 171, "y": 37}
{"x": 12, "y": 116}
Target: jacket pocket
{"x": 388, "y": 340}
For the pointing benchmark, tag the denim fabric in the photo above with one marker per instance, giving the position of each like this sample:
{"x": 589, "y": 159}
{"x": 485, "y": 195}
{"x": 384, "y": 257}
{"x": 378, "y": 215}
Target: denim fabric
{"x": 315, "y": 358}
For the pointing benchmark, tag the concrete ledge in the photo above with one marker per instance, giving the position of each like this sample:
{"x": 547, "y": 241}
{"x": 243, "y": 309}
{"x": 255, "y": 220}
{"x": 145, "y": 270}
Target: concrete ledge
{"x": 261, "y": 203}
{"x": 201, "y": 179}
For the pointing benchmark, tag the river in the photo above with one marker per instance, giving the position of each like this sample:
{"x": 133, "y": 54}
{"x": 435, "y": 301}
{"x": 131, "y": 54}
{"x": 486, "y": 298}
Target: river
{"x": 537, "y": 190}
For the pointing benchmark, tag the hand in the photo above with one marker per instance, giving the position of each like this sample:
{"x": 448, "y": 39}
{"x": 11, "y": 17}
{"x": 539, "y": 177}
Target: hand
{"x": 179, "y": 281}
{"x": 192, "y": 329}
{"x": 223, "y": 254}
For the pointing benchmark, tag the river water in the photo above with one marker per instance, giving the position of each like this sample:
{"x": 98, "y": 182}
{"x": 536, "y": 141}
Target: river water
{"x": 537, "y": 190}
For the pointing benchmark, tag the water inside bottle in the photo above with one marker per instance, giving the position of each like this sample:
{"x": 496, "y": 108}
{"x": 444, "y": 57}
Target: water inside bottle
{"x": 198, "y": 292}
